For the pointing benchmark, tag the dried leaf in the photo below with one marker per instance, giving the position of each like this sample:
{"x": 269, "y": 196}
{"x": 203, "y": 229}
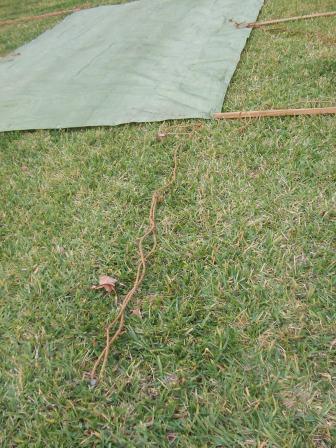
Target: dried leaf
{"x": 137, "y": 312}
{"x": 180, "y": 415}
{"x": 327, "y": 376}
{"x": 107, "y": 283}
{"x": 171, "y": 436}
{"x": 171, "y": 379}
{"x": 60, "y": 250}
{"x": 152, "y": 392}
{"x": 160, "y": 136}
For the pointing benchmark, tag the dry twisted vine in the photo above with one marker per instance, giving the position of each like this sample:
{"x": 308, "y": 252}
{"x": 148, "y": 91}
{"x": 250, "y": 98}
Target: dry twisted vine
{"x": 141, "y": 271}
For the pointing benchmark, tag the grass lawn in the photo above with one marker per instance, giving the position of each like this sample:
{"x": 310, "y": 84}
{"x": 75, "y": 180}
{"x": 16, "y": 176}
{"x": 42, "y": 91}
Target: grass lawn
{"x": 236, "y": 345}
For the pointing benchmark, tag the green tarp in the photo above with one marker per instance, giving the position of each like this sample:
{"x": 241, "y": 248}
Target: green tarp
{"x": 148, "y": 60}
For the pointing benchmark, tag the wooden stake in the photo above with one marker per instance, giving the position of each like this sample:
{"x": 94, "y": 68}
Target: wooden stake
{"x": 288, "y": 19}
{"x": 275, "y": 113}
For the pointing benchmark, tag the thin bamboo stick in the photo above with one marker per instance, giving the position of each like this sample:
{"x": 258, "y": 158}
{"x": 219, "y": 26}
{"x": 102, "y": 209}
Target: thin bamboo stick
{"x": 42, "y": 16}
{"x": 275, "y": 113}
{"x": 287, "y": 19}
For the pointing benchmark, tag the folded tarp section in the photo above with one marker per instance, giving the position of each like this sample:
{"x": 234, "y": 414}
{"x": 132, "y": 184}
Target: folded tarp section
{"x": 148, "y": 60}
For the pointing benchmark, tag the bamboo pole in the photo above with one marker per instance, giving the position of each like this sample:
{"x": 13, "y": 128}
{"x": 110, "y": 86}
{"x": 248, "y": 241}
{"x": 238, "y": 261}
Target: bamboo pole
{"x": 287, "y": 19}
{"x": 240, "y": 25}
{"x": 42, "y": 16}
{"x": 275, "y": 113}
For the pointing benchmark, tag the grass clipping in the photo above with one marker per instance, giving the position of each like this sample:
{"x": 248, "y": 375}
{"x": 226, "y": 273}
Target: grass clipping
{"x": 118, "y": 323}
